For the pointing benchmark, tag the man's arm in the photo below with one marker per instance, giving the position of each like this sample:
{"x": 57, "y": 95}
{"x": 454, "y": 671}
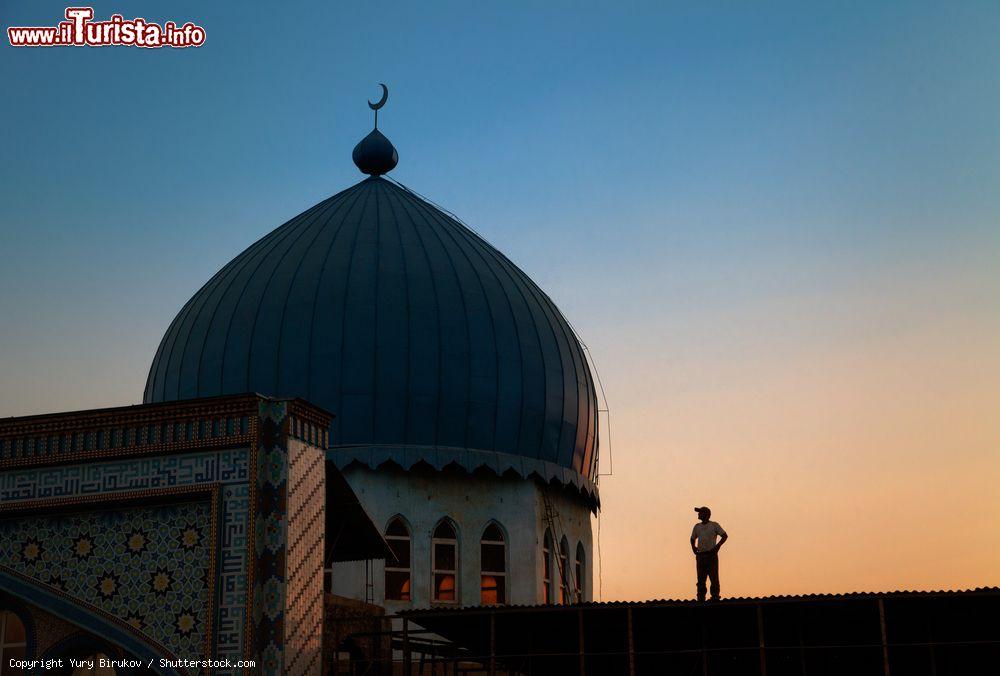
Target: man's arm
{"x": 722, "y": 541}
{"x": 693, "y": 548}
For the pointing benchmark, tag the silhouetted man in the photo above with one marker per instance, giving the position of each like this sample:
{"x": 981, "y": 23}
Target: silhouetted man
{"x": 706, "y": 551}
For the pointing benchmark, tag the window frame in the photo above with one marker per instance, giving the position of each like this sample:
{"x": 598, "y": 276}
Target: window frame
{"x": 548, "y": 597}
{"x": 579, "y": 571}
{"x": 564, "y": 581}
{"x": 502, "y": 597}
{"x": 435, "y": 571}
{"x": 408, "y": 538}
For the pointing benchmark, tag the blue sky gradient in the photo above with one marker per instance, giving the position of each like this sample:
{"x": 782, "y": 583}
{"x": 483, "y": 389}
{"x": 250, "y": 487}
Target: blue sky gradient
{"x": 723, "y": 198}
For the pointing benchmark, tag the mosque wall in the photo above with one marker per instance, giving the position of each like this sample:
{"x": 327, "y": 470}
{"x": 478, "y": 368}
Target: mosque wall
{"x": 571, "y": 523}
{"x": 423, "y": 497}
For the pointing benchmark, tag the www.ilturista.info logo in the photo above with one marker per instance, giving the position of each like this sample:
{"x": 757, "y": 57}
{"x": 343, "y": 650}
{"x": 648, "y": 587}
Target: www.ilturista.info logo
{"x": 79, "y": 30}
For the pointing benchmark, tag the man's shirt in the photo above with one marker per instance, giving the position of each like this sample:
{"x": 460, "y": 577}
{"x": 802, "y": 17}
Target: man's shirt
{"x": 706, "y": 534}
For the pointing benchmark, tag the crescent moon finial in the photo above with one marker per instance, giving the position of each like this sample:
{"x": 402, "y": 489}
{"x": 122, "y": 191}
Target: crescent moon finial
{"x": 381, "y": 102}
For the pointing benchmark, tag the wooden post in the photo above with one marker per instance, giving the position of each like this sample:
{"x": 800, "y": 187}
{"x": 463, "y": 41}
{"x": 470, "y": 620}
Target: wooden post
{"x": 760, "y": 639}
{"x": 493, "y": 643}
{"x": 631, "y": 642}
{"x": 580, "y": 645}
{"x": 885, "y": 641}
{"x": 406, "y": 647}
{"x": 802, "y": 649}
{"x": 704, "y": 641}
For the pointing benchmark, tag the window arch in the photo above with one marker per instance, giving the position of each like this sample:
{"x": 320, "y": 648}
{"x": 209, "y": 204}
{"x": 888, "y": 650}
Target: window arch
{"x": 580, "y": 571}
{"x": 547, "y": 596}
{"x": 444, "y": 563}
{"x": 564, "y": 571}
{"x": 493, "y": 566}
{"x": 13, "y": 641}
{"x": 397, "y": 573}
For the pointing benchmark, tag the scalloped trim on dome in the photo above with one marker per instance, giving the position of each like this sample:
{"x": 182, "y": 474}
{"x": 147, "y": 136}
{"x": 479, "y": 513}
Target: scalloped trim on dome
{"x": 439, "y": 457}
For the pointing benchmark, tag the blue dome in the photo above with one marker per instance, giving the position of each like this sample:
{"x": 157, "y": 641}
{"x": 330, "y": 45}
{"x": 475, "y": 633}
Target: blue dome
{"x": 426, "y": 342}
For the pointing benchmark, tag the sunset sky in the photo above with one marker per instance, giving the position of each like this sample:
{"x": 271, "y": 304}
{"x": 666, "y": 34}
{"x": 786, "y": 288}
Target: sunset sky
{"x": 777, "y": 229}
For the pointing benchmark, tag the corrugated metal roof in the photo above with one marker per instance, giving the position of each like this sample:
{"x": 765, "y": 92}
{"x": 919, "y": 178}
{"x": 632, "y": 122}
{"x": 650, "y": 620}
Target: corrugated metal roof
{"x": 692, "y": 602}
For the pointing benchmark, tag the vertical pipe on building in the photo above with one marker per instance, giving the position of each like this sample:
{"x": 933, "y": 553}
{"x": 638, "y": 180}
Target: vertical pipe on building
{"x": 760, "y": 639}
{"x": 631, "y": 642}
{"x": 885, "y": 642}
{"x": 580, "y": 645}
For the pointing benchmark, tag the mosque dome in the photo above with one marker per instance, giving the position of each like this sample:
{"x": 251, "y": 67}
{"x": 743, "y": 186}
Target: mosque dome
{"x": 426, "y": 342}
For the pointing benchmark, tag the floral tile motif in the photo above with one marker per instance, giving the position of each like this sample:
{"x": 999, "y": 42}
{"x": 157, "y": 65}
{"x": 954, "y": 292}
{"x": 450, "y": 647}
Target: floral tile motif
{"x": 146, "y": 565}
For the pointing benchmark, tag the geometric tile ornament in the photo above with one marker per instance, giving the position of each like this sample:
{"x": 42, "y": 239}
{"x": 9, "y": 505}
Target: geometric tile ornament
{"x": 172, "y": 518}
{"x": 146, "y": 565}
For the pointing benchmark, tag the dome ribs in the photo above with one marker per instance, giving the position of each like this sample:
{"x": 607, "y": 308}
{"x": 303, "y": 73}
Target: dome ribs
{"x": 298, "y": 359}
{"x": 426, "y": 342}
{"x": 452, "y": 430}
{"x": 312, "y": 358}
{"x": 263, "y": 275}
{"x": 327, "y": 317}
{"x": 345, "y": 407}
{"x": 423, "y": 371}
{"x": 532, "y": 416}
{"x": 547, "y": 448}
{"x": 181, "y": 324}
{"x": 484, "y": 373}
{"x": 403, "y": 293}
{"x": 210, "y": 359}
{"x": 390, "y": 373}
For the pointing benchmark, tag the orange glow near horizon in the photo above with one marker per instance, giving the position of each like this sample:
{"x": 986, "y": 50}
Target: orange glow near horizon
{"x": 861, "y": 458}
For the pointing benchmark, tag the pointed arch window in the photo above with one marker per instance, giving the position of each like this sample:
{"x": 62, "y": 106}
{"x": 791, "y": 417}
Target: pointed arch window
{"x": 397, "y": 573}
{"x": 444, "y": 563}
{"x": 580, "y": 571}
{"x": 547, "y": 596}
{"x": 493, "y": 566}
{"x": 564, "y": 571}
{"x": 13, "y": 642}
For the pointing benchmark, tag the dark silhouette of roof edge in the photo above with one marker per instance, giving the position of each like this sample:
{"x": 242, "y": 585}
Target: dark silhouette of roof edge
{"x": 738, "y": 600}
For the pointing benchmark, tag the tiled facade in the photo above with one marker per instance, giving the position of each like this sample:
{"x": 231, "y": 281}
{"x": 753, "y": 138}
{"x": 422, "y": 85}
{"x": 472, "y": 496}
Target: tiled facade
{"x": 170, "y": 526}
{"x": 306, "y": 509}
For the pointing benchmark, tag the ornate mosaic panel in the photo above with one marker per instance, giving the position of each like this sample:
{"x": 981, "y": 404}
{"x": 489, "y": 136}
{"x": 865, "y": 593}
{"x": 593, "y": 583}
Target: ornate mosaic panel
{"x": 227, "y": 468}
{"x": 270, "y": 538}
{"x": 150, "y": 566}
{"x": 135, "y": 474}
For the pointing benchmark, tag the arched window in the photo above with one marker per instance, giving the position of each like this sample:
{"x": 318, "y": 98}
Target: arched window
{"x": 547, "y": 595}
{"x": 444, "y": 563}
{"x": 397, "y": 573}
{"x": 564, "y": 571}
{"x": 493, "y": 566}
{"x": 13, "y": 642}
{"x": 581, "y": 569}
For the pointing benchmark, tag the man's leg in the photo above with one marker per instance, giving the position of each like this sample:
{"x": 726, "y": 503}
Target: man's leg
{"x": 713, "y": 574}
{"x": 702, "y": 565}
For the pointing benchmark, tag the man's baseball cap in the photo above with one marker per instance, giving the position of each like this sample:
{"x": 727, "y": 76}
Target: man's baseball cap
{"x": 702, "y": 509}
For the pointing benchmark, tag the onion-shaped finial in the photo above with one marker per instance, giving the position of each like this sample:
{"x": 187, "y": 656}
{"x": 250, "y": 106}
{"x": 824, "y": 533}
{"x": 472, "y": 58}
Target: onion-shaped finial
{"x": 375, "y": 154}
